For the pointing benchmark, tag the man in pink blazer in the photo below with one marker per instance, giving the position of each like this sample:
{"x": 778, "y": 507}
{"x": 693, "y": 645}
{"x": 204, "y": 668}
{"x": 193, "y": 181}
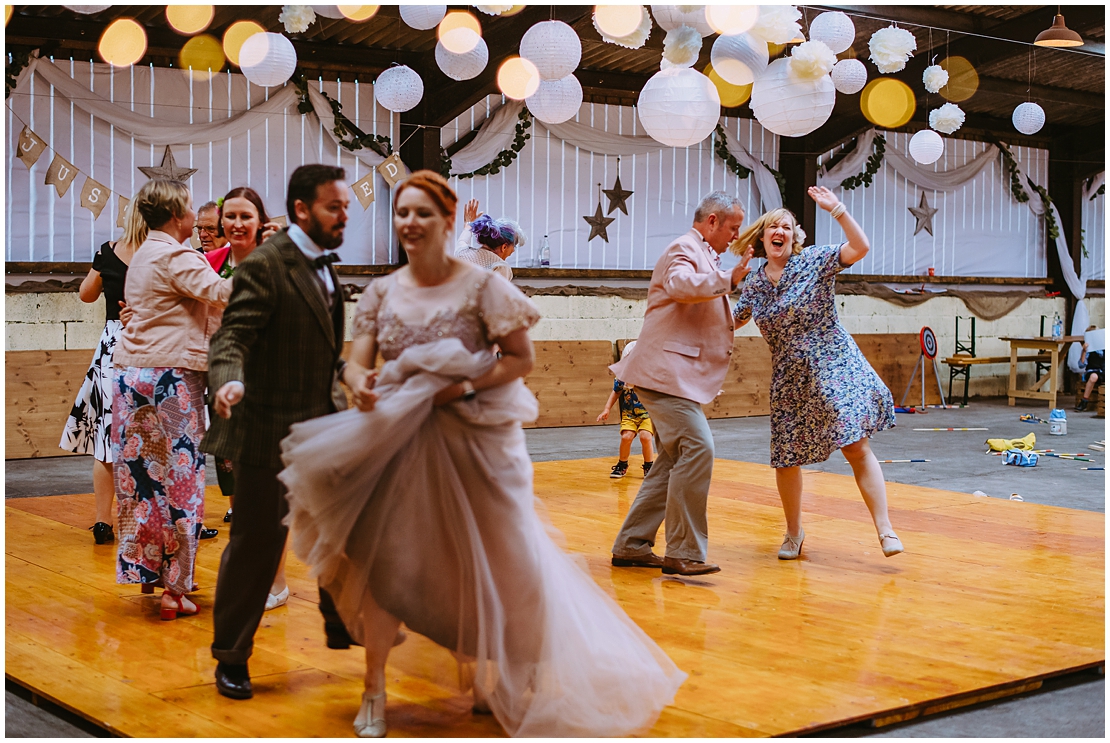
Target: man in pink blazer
{"x": 680, "y": 363}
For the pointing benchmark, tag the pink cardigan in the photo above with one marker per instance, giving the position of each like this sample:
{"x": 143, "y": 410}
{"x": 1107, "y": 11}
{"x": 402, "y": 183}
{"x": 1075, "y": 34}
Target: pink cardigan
{"x": 685, "y": 345}
{"x": 170, "y": 287}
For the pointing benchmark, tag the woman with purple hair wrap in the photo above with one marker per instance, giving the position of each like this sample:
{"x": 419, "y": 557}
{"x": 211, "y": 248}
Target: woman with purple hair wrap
{"x": 488, "y": 242}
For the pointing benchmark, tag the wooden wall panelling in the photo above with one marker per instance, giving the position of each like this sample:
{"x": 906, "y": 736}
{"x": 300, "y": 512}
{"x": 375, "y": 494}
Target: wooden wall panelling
{"x": 571, "y": 380}
{"x": 41, "y": 387}
{"x": 747, "y": 388}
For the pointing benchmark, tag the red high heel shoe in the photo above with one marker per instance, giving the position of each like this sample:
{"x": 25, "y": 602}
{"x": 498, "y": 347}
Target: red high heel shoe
{"x": 174, "y": 612}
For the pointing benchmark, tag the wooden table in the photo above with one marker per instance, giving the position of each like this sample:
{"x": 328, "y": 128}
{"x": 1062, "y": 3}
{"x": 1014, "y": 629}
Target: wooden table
{"x": 1054, "y": 347}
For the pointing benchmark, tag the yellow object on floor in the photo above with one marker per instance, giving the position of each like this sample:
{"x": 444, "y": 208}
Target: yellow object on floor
{"x": 1025, "y": 443}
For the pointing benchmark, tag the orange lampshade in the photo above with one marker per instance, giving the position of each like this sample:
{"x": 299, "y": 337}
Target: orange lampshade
{"x": 1058, "y": 35}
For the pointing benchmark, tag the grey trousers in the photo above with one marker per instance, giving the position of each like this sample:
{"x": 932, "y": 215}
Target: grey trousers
{"x": 677, "y": 487}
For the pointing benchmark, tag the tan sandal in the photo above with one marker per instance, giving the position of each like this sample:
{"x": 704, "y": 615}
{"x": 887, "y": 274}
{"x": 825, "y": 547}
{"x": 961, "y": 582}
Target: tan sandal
{"x": 791, "y": 546}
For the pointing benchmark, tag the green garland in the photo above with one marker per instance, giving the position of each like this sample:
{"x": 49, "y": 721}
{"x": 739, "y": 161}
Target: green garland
{"x": 720, "y": 148}
{"x": 1020, "y": 194}
{"x": 504, "y": 158}
{"x": 350, "y": 137}
{"x": 20, "y": 59}
{"x": 1049, "y": 217}
{"x": 1101, "y": 190}
{"x": 874, "y": 162}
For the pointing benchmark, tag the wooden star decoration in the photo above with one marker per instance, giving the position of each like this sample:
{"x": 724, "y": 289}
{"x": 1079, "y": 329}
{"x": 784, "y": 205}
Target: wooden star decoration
{"x": 598, "y": 222}
{"x": 168, "y": 169}
{"x": 923, "y": 213}
{"x": 617, "y": 197}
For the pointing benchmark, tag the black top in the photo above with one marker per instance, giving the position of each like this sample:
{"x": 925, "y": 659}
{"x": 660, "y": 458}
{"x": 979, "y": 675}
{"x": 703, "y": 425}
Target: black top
{"x": 113, "y": 274}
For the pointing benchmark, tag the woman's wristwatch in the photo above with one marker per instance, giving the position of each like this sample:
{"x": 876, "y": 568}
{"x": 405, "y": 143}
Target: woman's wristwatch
{"x": 469, "y": 393}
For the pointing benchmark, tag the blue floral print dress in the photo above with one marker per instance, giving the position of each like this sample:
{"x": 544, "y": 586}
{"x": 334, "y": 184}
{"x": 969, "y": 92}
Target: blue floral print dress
{"x": 824, "y": 393}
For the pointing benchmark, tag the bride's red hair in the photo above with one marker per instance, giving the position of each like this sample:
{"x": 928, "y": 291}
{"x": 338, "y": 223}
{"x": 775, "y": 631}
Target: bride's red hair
{"x": 437, "y": 188}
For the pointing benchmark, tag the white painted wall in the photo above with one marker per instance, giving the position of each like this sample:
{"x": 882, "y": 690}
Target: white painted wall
{"x": 1094, "y": 237}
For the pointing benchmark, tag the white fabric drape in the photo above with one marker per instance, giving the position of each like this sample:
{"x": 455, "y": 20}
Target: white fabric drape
{"x": 1095, "y": 184}
{"x": 765, "y": 183}
{"x": 496, "y": 134}
{"x": 851, "y": 164}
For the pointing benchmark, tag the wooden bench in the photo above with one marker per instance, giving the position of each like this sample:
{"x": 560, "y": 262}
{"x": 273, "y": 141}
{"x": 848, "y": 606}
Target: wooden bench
{"x": 961, "y": 366}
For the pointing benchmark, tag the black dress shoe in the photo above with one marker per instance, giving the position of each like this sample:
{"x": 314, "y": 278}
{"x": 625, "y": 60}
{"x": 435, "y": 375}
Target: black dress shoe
{"x": 338, "y": 637}
{"x": 102, "y": 532}
{"x": 227, "y": 517}
{"x": 233, "y": 681}
{"x": 205, "y": 533}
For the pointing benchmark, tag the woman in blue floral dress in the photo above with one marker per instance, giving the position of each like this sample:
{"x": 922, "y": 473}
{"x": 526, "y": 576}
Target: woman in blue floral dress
{"x": 824, "y": 394}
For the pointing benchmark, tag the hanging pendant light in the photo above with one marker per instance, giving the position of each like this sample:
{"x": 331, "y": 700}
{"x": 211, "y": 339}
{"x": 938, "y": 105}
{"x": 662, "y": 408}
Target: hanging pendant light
{"x": 1058, "y": 35}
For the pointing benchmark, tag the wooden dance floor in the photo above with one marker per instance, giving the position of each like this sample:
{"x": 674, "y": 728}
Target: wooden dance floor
{"x": 991, "y": 597}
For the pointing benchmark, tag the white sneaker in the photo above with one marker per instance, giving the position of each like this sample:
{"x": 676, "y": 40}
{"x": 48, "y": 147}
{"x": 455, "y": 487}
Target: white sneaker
{"x": 370, "y": 722}
{"x": 273, "y": 601}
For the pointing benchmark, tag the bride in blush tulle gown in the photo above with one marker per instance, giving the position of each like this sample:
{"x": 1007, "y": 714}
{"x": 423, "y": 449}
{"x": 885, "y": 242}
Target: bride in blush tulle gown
{"x": 417, "y": 506}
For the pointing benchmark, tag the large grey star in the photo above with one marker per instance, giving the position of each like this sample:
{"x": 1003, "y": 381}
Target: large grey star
{"x": 923, "y": 213}
{"x": 598, "y": 222}
{"x": 168, "y": 169}
{"x": 617, "y": 197}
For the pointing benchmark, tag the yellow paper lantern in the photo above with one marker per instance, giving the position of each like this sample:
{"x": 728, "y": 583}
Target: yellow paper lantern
{"x": 189, "y": 19}
{"x": 235, "y": 35}
{"x": 202, "y": 57}
{"x": 963, "y": 80}
{"x": 123, "y": 43}
{"x": 459, "y": 32}
{"x": 358, "y": 13}
{"x": 731, "y": 95}
{"x": 887, "y": 102}
{"x": 518, "y": 78}
{"x": 8, "y": 10}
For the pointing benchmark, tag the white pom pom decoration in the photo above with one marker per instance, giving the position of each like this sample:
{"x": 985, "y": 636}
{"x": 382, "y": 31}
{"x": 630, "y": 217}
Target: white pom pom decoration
{"x": 739, "y": 59}
{"x": 296, "y": 18}
{"x": 849, "y": 76}
{"x": 811, "y": 60}
{"x": 946, "y": 119}
{"x": 935, "y": 78}
{"x": 553, "y": 47}
{"x": 777, "y": 24}
{"x": 891, "y": 48}
{"x": 681, "y": 47}
{"x": 267, "y": 59}
{"x": 423, "y": 17}
{"x": 926, "y": 147}
{"x": 790, "y": 107}
{"x": 1028, "y": 118}
{"x": 462, "y": 66}
{"x": 835, "y": 30}
{"x": 679, "y": 107}
{"x": 670, "y": 17}
{"x": 399, "y": 89}
{"x": 634, "y": 40}
{"x": 556, "y": 101}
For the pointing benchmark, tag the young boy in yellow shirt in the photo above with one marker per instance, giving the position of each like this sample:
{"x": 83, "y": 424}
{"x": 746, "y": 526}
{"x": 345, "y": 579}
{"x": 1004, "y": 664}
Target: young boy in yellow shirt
{"x": 635, "y": 422}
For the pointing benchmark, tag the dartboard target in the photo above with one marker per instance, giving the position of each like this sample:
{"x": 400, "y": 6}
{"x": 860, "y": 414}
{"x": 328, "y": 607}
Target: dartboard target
{"x": 928, "y": 343}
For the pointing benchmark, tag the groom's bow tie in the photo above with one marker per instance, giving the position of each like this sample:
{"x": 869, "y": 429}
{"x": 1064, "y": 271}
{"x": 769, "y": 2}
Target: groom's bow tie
{"x": 325, "y": 260}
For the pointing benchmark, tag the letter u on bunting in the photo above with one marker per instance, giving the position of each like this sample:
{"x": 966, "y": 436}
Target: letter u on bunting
{"x": 364, "y": 190}
{"x": 94, "y": 197}
{"x": 60, "y": 174}
{"x": 31, "y": 147}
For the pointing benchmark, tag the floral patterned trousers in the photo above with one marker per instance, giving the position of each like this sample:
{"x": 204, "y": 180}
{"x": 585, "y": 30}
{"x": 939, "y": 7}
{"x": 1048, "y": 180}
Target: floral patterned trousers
{"x": 159, "y": 473}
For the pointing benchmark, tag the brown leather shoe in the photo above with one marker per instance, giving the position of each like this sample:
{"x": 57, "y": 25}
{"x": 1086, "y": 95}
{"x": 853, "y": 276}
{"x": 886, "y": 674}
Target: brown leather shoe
{"x": 676, "y": 566}
{"x": 650, "y": 560}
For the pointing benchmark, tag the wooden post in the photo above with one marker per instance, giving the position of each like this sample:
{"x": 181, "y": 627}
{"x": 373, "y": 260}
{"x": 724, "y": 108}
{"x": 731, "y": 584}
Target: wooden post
{"x": 799, "y": 166}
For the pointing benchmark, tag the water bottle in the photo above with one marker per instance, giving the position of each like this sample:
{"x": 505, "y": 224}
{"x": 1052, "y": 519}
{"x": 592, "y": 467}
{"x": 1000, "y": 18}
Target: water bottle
{"x": 545, "y": 254}
{"x": 1057, "y": 326}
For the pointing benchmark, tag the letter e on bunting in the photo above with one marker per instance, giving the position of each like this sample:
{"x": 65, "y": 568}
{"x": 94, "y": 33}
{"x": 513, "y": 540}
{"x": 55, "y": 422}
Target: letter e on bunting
{"x": 60, "y": 175}
{"x": 392, "y": 169}
{"x": 94, "y": 197}
{"x": 121, "y": 211}
{"x": 364, "y": 190}
{"x": 31, "y": 147}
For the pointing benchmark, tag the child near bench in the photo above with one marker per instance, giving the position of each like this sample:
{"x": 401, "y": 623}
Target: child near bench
{"x": 635, "y": 422}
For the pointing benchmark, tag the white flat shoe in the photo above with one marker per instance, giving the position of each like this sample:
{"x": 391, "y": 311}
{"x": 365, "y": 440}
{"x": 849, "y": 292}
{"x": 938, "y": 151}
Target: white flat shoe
{"x": 891, "y": 544}
{"x": 273, "y": 601}
{"x": 791, "y": 546}
{"x": 370, "y": 721}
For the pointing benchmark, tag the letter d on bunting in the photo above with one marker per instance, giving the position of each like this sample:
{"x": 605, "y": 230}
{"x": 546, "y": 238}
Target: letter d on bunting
{"x": 392, "y": 169}
{"x": 60, "y": 174}
{"x": 30, "y": 146}
{"x": 364, "y": 190}
{"x": 94, "y": 197}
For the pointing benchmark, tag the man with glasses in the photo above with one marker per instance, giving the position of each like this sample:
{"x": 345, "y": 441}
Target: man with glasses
{"x": 208, "y": 227}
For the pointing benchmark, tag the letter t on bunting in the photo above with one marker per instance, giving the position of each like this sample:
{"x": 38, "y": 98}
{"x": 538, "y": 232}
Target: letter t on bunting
{"x": 364, "y": 190}
{"x": 94, "y": 197}
{"x": 60, "y": 174}
{"x": 31, "y": 147}
{"x": 121, "y": 211}
{"x": 393, "y": 170}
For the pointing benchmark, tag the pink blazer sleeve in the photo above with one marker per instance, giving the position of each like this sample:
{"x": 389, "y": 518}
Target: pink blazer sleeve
{"x": 683, "y": 282}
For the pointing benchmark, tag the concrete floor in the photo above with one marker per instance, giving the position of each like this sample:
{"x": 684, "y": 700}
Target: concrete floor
{"x": 1072, "y": 706}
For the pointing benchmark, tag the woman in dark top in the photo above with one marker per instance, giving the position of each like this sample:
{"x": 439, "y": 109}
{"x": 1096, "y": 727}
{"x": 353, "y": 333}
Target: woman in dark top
{"x": 89, "y": 427}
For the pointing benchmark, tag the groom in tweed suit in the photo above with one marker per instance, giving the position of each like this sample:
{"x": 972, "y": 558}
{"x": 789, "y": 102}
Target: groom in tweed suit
{"x": 274, "y": 362}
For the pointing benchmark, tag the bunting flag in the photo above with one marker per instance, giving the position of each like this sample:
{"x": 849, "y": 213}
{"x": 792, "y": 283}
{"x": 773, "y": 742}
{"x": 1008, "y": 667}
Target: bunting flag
{"x": 392, "y": 170}
{"x": 121, "y": 210}
{"x": 94, "y": 197}
{"x": 60, "y": 175}
{"x": 364, "y": 190}
{"x": 30, "y": 146}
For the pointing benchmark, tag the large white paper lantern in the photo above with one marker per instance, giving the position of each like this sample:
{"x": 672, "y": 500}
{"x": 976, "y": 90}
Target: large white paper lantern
{"x": 267, "y": 59}
{"x": 729, "y": 20}
{"x": 556, "y": 101}
{"x": 399, "y": 88}
{"x": 849, "y": 76}
{"x": 86, "y": 9}
{"x": 618, "y": 21}
{"x": 553, "y": 47}
{"x": 423, "y": 17}
{"x": 1028, "y": 118}
{"x": 834, "y": 29}
{"x": 739, "y": 59}
{"x": 679, "y": 107}
{"x": 670, "y": 17}
{"x": 790, "y": 107}
{"x": 926, "y": 147}
{"x": 462, "y": 66}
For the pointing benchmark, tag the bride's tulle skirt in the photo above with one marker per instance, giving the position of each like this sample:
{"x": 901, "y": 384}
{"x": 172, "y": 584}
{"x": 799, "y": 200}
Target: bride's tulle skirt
{"x": 432, "y": 511}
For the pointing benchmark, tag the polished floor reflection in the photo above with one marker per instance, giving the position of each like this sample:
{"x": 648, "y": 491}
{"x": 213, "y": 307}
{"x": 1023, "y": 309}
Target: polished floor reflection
{"x": 990, "y": 596}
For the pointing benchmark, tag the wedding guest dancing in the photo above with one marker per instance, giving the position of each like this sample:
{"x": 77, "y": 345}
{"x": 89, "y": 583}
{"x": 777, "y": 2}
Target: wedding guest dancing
{"x": 418, "y": 506}
{"x": 689, "y": 329}
{"x": 89, "y": 427}
{"x": 497, "y": 240}
{"x": 274, "y": 362}
{"x": 158, "y": 403}
{"x": 824, "y": 394}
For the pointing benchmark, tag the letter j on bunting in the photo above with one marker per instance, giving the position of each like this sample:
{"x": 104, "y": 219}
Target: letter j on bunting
{"x": 364, "y": 190}
{"x": 31, "y": 147}
{"x": 60, "y": 175}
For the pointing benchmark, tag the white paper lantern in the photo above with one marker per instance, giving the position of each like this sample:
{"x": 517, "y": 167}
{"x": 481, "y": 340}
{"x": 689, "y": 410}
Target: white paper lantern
{"x": 553, "y": 47}
{"x": 670, "y": 17}
{"x": 849, "y": 76}
{"x": 1028, "y": 118}
{"x": 423, "y": 17}
{"x": 462, "y": 66}
{"x": 329, "y": 11}
{"x": 835, "y": 30}
{"x": 86, "y": 9}
{"x": 926, "y": 147}
{"x": 399, "y": 88}
{"x": 790, "y": 107}
{"x": 729, "y": 20}
{"x": 618, "y": 21}
{"x": 739, "y": 59}
{"x": 267, "y": 59}
{"x": 556, "y": 101}
{"x": 679, "y": 107}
